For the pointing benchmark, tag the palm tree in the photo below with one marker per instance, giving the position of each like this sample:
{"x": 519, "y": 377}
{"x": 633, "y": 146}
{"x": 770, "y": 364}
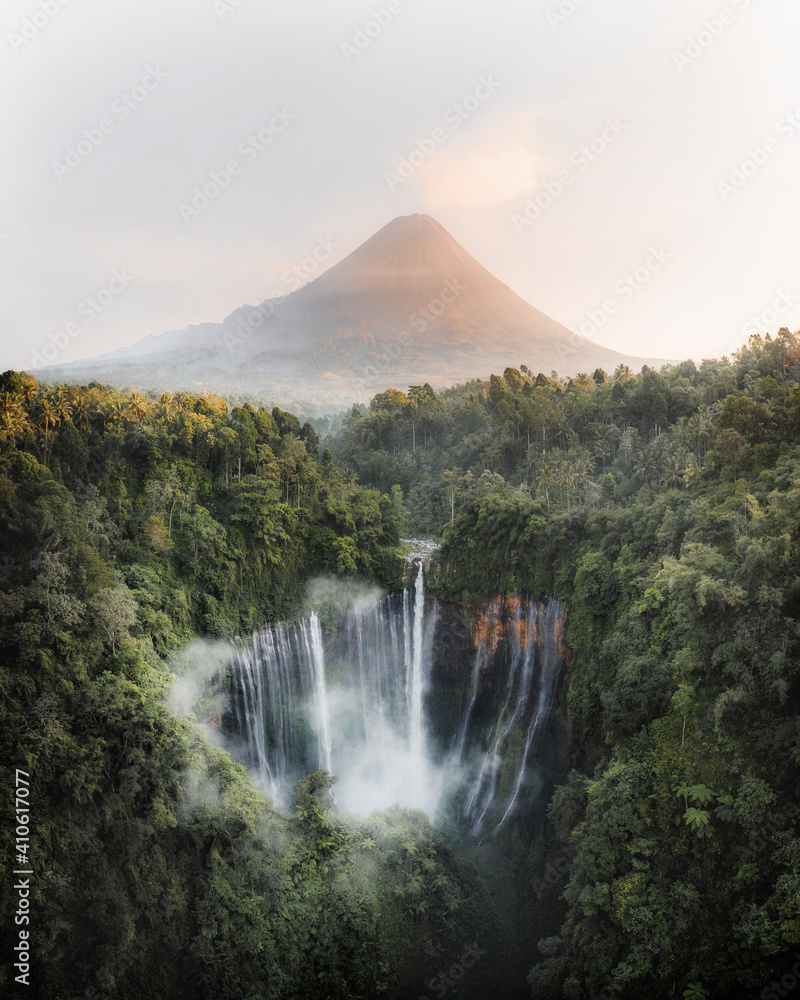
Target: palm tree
{"x": 137, "y": 405}
{"x": 645, "y": 466}
{"x": 81, "y": 410}
{"x": 117, "y": 411}
{"x": 658, "y": 452}
{"x": 564, "y": 479}
{"x": 49, "y": 416}
{"x": 13, "y": 418}
{"x": 546, "y": 482}
{"x": 627, "y": 442}
{"x": 581, "y": 471}
{"x": 614, "y": 435}
{"x": 683, "y": 432}
{"x": 63, "y": 403}
{"x": 677, "y": 465}
{"x": 166, "y": 406}
{"x": 102, "y": 413}
{"x": 706, "y": 415}
{"x": 545, "y": 415}
{"x": 30, "y": 390}
{"x": 598, "y": 443}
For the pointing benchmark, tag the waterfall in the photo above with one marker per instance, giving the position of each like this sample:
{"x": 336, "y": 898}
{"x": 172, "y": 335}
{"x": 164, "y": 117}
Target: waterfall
{"x": 416, "y": 729}
{"x": 530, "y": 669}
{"x": 318, "y": 657}
{"x": 473, "y": 694}
{"x": 265, "y": 679}
{"x": 361, "y": 701}
{"x": 353, "y": 704}
{"x": 548, "y": 688}
{"x": 484, "y": 788}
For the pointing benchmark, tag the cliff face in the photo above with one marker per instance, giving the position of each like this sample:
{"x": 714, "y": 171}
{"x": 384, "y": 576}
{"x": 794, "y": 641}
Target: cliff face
{"x": 492, "y": 706}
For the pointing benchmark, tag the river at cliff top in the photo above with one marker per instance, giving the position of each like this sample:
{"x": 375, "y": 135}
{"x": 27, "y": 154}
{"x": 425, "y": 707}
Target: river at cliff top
{"x": 419, "y": 548}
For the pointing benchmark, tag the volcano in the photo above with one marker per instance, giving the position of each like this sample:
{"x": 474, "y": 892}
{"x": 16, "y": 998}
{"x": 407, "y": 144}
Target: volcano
{"x": 409, "y": 305}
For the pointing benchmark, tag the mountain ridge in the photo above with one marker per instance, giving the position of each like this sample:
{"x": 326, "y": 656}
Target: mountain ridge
{"x": 408, "y": 305}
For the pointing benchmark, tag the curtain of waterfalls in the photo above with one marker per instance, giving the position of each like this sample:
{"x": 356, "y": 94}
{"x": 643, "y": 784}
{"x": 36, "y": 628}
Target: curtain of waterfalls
{"x": 358, "y": 703}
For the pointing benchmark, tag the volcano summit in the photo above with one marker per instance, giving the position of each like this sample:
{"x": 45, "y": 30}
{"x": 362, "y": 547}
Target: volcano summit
{"x": 409, "y": 305}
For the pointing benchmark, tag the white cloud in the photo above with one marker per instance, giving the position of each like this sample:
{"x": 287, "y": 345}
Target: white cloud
{"x": 476, "y": 171}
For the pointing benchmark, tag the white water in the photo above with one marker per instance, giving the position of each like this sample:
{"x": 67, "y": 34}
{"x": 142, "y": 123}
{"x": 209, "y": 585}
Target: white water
{"x": 484, "y": 790}
{"x": 480, "y": 657}
{"x": 535, "y": 662}
{"x": 548, "y": 688}
{"x": 357, "y": 710}
{"x": 419, "y": 549}
{"x": 357, "y": 704}
{"x": 323, "y": 709}
{"x": 416, "y": 729}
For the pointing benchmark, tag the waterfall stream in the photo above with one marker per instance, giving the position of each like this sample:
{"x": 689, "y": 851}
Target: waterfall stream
{"x": 360, "y": 698}
{"x": 321, "y": 688}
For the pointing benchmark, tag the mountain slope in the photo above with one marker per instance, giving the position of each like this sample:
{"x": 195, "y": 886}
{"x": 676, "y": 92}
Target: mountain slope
{"x": 408, "y": 305}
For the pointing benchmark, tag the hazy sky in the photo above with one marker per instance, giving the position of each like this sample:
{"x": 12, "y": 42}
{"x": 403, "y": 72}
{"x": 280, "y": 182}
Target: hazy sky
{"x": 668, "y": 98}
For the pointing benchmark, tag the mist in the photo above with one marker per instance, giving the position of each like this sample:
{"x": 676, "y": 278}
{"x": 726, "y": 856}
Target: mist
{"x": 198, "y": 687}
{"x": 350, "y": 689}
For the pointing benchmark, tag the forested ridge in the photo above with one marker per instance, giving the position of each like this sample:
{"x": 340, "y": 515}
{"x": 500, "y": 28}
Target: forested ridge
{"x": 129, "y": 525}
{"x": 664, "y": 509}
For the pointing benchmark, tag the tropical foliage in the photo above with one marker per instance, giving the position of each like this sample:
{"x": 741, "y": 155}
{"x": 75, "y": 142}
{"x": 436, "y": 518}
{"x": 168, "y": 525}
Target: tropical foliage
{"x": 129, "y": 525}
{"x": 664, "y": 510}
